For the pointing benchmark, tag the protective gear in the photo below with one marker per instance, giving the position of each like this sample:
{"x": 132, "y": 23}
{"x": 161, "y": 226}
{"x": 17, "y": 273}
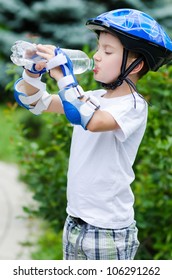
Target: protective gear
{"x": 62, "y": 60}
{"x": 138, "y": 32}
{"x": 67, "y": 69}
{"x": 78, "y": 112}
{"x": 42, "y": 97}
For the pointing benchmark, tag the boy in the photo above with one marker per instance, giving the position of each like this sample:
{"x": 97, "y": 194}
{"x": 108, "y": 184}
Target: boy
{"x": 108, "y": 127}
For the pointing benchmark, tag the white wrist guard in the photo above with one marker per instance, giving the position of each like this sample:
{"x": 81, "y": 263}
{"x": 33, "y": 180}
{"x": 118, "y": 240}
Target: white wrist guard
{"x": 42, "y": 97}
{"x": 78, "y": 112}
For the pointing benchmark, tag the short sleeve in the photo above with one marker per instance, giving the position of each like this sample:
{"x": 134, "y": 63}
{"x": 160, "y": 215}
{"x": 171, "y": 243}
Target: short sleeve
{"x": 128, "y": 117}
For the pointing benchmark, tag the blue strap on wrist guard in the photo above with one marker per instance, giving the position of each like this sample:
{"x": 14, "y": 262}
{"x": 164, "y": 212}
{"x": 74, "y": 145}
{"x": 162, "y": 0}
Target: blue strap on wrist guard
{"x": 34, "y": 71}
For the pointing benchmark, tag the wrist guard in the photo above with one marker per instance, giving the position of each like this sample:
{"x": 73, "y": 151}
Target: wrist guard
{"x": 42, "y": 97}
{"x": 62, "y": 60}
{"x": 66, "y": 66}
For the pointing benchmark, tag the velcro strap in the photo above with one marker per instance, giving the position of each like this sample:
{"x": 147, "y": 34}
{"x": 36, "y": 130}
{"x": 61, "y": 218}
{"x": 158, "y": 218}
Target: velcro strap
{"x": 66, "y": 81}
{"x": 24, "y": 98}
{"x": 57, "y": 60}
{"x": 27, "y": 100}
{"x": 35, "y": 82}
{"x": 42, "y": 104}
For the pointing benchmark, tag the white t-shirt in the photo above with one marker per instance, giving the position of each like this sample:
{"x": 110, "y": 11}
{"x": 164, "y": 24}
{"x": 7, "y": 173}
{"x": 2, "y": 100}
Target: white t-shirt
{"x": 100, "y": 165}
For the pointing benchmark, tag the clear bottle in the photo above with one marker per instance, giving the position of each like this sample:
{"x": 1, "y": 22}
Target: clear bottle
{"x": 81, "y": 61}
{"x": 24, "y": 53}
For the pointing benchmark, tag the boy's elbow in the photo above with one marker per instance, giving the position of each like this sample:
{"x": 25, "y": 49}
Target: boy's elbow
{"x": 100, "y": 124}
{"x": 91, "y": 128}
{"x": 95, "y": 125}
{"x": 101, "y": 121}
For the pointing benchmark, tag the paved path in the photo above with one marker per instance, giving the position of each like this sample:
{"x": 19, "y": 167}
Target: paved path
{"x": 15, "y": 227}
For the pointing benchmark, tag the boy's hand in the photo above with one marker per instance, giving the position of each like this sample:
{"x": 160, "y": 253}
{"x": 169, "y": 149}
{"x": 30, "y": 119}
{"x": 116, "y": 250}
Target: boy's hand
{"x": 59, "y": 65}
{"x": 48, "y": 52}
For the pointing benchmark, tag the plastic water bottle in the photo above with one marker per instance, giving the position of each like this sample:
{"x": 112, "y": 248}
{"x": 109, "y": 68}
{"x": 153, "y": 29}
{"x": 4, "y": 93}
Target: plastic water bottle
{"x": 81, "y": 61}
{"x": 24, "y": 53}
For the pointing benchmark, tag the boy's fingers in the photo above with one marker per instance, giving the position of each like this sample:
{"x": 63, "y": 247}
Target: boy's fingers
{"x": 46, "y": 48}
{"x": 40, "y": 65}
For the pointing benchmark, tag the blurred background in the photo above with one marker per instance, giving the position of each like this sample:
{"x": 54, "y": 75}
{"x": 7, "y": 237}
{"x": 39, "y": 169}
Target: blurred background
{"x": 39, "y": 146}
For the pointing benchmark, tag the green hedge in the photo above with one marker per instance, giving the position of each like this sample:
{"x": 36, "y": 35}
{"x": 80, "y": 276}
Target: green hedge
{"x": 44, "y": 149}
{"x": 153, "y": 184}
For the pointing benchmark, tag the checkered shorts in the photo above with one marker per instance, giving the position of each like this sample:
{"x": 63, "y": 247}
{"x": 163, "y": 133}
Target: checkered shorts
{"x": 82, "y": 241}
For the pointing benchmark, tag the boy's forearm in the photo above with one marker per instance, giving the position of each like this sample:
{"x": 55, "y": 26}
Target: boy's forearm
{"x": 55, "y": 105}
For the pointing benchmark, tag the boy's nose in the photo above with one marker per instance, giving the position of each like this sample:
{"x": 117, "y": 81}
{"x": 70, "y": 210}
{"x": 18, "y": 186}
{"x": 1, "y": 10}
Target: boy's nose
{"x": 96, "y": 56}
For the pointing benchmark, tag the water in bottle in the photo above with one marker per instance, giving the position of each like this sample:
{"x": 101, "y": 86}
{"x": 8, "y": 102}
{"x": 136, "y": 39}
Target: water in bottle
{"x": 81, "y": 61}
{"x": 25, "y": 52}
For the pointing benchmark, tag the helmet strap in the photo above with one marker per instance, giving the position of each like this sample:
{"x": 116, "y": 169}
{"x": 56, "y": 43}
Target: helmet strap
{"x": 124, "y": 72}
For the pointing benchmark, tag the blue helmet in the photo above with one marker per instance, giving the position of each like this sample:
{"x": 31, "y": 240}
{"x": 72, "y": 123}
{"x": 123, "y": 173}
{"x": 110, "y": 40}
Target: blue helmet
{"x": 138, "y": 32}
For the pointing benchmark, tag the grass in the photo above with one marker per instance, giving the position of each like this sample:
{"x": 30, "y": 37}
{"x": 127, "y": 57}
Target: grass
{"x": 9, "y": 119}
{"x": 49, "y": 245}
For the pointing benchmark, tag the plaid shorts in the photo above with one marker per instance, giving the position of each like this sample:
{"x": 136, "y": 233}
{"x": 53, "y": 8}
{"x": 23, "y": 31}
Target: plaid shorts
{"x": 82, "y": 241}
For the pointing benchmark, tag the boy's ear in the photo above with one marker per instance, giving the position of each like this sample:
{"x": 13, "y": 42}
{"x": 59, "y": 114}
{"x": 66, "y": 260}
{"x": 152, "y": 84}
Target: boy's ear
{"x": 137, "y": 68}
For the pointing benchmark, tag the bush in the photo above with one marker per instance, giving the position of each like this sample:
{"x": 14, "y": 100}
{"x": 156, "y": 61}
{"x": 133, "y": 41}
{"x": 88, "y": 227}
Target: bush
{"x": 44, "y": 162}
{"x": 153, "y": 167}
{"x": 49, "y": 246}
